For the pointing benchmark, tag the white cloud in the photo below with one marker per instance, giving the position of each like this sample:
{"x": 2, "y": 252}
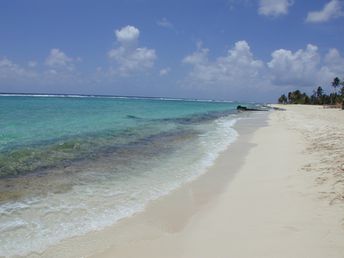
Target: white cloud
{"x": 274, "y": 7}
{"x": 299, "y": 67}
{"x": 165, "y": 23}
{"x": 138, "y": 59}
{"x": 334, "y": 64}
{"x": 164, "y": 71}
{"x": 236, "y": 68}
{"x": 127, "y": 35}
{"x": 10, "y": 70}
{"x": 331, "y": 10}
{"x": 59, "y": 68}
{"x": 57, "y": 58}
{"x": 200, "y": 57}
{"x": 305, "y": 67}
{"x": 334, "y": 58}
{"x": 127, "y": 56}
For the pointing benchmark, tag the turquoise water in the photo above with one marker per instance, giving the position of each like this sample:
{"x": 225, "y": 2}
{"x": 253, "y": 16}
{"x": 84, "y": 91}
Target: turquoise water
{"x": 39, "y": 132}
{"x": 72, "y": 165}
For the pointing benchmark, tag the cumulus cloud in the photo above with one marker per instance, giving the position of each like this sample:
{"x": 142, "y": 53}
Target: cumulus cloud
{"x": 274, "y": 7}
{"x": 331, "y": 10}
{"x": 58, "y": 59}
{"x": 138, "y": 59}
{"x": 11, "y": 70}
{"x": 238, "y": 66}
{"x": 165, "y": 23}
{"x": 301, "y": 66}
{"x": 58, "y": 69}
{"x": 305, "y": 67}
{"x": 334, "y": 63}
{"x": 127, "y": 35}
{"x": 334, "y": 58}
{"x": 238, "y": 69}
{"x": 128, "y": 57}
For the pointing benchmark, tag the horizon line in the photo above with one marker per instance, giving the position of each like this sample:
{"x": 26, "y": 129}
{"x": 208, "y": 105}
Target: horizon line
{"x": 77, "y": 95}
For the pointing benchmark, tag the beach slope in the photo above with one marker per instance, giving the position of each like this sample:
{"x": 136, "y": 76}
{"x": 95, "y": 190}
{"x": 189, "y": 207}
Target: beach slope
{"x": 286, "y": 199}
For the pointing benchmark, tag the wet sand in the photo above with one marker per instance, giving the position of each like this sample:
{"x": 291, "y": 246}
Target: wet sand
{"x": 276, "y": 192}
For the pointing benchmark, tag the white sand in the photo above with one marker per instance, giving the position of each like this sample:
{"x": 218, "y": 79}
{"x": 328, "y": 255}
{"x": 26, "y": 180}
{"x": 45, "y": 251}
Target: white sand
{"x": 275, "y": 206}
{"x": 286, "y": 200}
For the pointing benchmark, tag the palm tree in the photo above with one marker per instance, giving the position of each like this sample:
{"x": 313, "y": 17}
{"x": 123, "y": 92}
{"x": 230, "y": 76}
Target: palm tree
{"x": 289, "y": 97}
{"x": 320, "y": 92}
{"x": 319, "y": 95}
{"x": 336, "y": 82}
{"x": 282, "y": 99}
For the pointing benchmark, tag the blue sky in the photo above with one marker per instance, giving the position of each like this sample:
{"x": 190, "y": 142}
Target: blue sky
{"x": 251, "y": 50}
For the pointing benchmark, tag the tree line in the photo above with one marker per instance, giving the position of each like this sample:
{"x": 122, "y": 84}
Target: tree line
{"x": 318, "y": 97}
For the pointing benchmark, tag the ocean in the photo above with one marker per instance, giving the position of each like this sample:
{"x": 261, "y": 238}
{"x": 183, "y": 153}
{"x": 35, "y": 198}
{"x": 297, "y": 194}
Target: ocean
{"x": 71, "y": 165}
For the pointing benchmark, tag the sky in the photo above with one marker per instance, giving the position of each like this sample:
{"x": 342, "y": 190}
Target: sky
{"x": 245, "y": 50}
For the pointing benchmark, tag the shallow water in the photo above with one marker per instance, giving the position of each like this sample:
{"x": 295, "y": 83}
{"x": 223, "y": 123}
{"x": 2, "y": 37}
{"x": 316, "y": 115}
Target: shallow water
{"x": 72, "y": 165}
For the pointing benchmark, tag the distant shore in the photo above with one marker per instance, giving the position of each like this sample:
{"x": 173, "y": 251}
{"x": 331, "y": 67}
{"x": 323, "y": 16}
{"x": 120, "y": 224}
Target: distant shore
{"x": 278, "y": 191}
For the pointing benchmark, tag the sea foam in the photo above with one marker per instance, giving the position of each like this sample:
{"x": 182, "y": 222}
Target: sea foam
{"x": 119, "y": 172}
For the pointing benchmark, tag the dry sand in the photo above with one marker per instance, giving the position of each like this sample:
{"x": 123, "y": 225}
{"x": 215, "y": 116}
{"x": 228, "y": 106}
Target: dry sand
{"x": 285, "y": 199}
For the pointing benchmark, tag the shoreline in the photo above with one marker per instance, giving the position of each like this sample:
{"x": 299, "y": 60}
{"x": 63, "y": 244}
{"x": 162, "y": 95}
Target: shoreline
{"x": 283, "y": 199}
{"x": 167, "y": 214}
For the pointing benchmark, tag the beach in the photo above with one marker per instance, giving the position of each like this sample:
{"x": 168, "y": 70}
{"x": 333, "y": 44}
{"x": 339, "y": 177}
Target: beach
{"x": 283, "y": 202}
{"x": 172, "y": 129}
{"x": 72, "y": 165}
{"x": 276, "y": 192}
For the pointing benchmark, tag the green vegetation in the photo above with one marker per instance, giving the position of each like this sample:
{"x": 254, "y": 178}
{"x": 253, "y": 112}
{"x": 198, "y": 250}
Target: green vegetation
{"x": 318, "y": 97}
